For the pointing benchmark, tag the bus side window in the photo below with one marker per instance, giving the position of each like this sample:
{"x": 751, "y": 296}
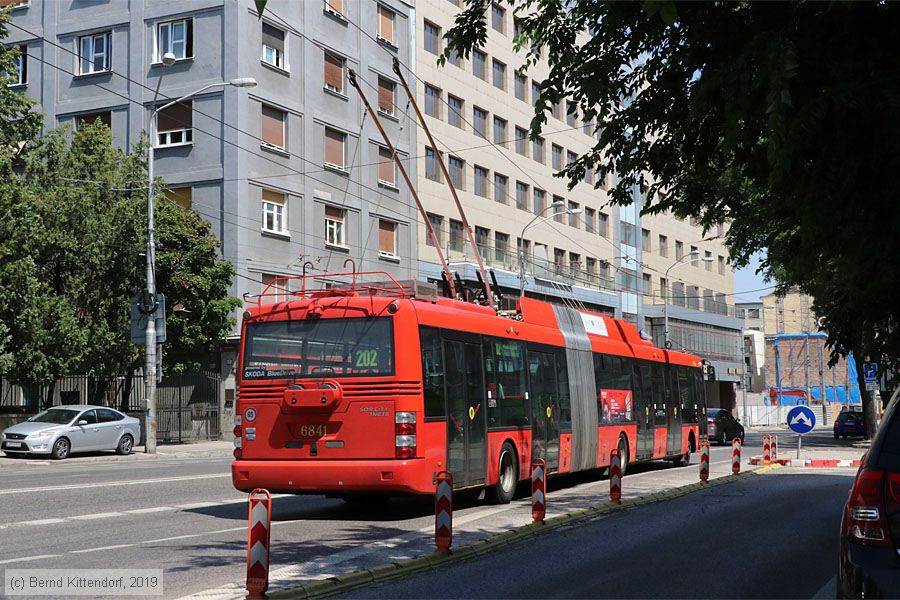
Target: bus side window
{"x": 432, "y": 372}
{"x": 505, "y": 376}
{"x": 686, "y": 394}
{"x": 562, "y": 383}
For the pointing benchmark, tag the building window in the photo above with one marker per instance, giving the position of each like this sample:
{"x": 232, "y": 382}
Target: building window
{"x": 521, "y": 195}
{"x": 335, "y": 7}
{"x": 537, "y": 150}
{"x": 535, "y": 92}
{"x": 386, "y": 94}
{"x": 559, "y": 259}
{"x": 603, "y": 224}
{"x": 273, "y": 127}
{"x": 573, "y": 214}
{"x": 334, "y": 72}
{"x": 648, "y": 284}
{"x": 501, "y": 246}
{"x": 481, "y": 181}
{"x": 174, "y": 125}
{"x": 521, "y": 87}
{"x": 335, "y": 148}
{"x": 500, "y": 131}
{"x": 94, "y": 53}
{"x": 479, "y": 122}
{"x": 574, "y": 263}
{"x": 570, "y": 157}
{"x": 499, "y": 75}
{"x": 387, "y": 238}
{"x": 556, "y": 110}
{"x": 457, "y": 170}
{"x": 645, "y": 240}
{"x": 104, "y": 117}
{"x": 455, "y": 111}
{"x": 708, "y": 262}
{"x": 721, "y": 265}
{"x": 456, "y": 235}
{"x": 663, "y": 289}
{"x": 498, "y": 18}
{"x": 679, "y": 250}
{"x": 482, "y": 240}
{"x": 479, "y": 64}
{"x": 21, "y": 67}
{"x": 629, "y": 280}
{"x": 590, "y": 220}
{"x": 521, "y": 141}
{"x": 663, "y": 246}
{"x": 571, "y": 113}
{"x": 273, "y": 46}
{"x": 501, "y": 183}
{"x": 387, "y": 169}
{"x": 455, "y": 59}
{"x": 437, "y": 224}
{"x": 540, "y": 199}
{"x": 628, "y": 234}
{"x": 334, "y": 226}
{"x": 273, "y": 212}
{"x": 557, "y": 154}
{"x": 589, "y": 177}
{"x": 276, "y": 286}
{"x": 432, "y": 38}
{"x": 182, "y": 196}
{"x": 432, "y": 101}
{"x": 432, "y": 170}
{"x": 386, "y": 24}
{"x": 175, "y": 37}
{"x": 695, "y": 255}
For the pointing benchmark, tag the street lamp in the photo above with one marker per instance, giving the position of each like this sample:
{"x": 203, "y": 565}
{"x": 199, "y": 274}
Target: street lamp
{"x": 535, "y": 221}
{"x": 667, "y": 343}
{"x": 150, "y": 303}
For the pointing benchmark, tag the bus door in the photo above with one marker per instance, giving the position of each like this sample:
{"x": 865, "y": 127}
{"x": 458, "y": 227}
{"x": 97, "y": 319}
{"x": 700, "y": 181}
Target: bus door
{"x": 643, "y": 401}
{"x": 466, "y": 410}
{"x": 545, "y": 408}
{"x": 673, "y": 412}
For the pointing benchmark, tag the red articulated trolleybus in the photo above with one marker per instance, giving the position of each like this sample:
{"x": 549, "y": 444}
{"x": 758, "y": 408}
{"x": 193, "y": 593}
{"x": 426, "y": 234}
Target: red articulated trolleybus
{"x": 362, "y": 390}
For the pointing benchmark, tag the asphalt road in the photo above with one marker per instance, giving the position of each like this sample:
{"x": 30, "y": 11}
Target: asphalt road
{"x": 183, "y": 516}
{"x": 771, "y": 536}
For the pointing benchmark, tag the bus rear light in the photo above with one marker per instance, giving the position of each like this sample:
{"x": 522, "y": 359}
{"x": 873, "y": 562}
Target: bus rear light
{"x": 236, "y": 431}
{"x": 405, "y": 441}
{"x": 238, "y": 454}
{"x": 237, "y": 442}
{"x": 405, "y": 417}
{"x": 405, "y": 429}
{"x": 404, "y": 452}
{"x": 405, "y": 434}
{"x": 237, "y": 419}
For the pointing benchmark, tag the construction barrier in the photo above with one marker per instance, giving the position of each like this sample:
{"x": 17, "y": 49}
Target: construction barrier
{"x": 736, "y": 455}
{"x": 704, "y": 462}
{"x": 767, "y": 450}
{"x": 615, "y": 476}
{"x": 258, "y": 528}
{"x": 538, "y": 490}
{"x": 774, "y": 447}
{"x": 443, "y": 511}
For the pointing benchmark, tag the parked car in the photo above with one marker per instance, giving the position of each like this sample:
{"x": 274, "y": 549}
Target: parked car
{"x": 850, "y": 422}
{"x": 722, "y": 427}
{"x": 62, "y": 430}
{"x": 870, "y": 524}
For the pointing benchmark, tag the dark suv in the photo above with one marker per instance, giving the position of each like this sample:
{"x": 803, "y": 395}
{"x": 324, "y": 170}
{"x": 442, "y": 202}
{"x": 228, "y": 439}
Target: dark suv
{"x": 870, "y": 526}
{"x": 722, "y": 427}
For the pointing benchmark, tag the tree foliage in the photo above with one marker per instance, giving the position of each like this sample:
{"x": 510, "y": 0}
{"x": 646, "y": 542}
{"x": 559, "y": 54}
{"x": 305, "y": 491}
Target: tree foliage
{"x": 777, "y": 118}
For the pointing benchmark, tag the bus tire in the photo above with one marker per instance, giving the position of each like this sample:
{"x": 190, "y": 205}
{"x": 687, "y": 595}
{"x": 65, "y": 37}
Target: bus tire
{"x": 507, "y": 475}
{"x": 685, "y": 460}
{"x": 623, "y": 452}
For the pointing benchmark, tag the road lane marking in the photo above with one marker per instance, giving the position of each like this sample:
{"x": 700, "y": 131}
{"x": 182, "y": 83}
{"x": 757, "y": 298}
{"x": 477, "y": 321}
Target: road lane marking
{"x": 42, "y": 522}
{"x": 99, "y": 549}
{"x": 193, "y": 505}
{"x": 92, "y": 516}
{"x": 80, "y": 486}
{"x": 28, "y": 558}
{"x": 152, "y": 509}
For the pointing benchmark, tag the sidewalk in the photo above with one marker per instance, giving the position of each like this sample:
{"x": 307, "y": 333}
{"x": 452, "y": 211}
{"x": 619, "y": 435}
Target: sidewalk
{"x": 213, "y": 449}
{"x": 818, "y": 457}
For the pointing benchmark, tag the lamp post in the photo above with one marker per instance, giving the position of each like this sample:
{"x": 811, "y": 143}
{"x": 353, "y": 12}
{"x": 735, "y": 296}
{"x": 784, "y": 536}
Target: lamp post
{"x": 666, "y": 342}
{"x": 150, "y": 304}
{"x": 538, "y": 218}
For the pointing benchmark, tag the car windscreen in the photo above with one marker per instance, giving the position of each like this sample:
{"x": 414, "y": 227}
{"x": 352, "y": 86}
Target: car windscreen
{"x": 319, "y": 348}
{"x": 57, "y": 416}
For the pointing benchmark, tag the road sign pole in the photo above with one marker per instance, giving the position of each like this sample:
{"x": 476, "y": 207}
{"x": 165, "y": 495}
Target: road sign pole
{"x": 799, "y": 443}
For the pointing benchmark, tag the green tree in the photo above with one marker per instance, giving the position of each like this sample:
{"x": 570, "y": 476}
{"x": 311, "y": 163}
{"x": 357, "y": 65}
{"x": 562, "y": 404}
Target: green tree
{"x": 777, "y": 118}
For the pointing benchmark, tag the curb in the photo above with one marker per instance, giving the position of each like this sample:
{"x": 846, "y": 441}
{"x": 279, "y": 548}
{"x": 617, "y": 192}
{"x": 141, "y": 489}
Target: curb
{"x": 38, "y": 461}
{"x": 809, "y": 462}
{"x": 345, "y": 583}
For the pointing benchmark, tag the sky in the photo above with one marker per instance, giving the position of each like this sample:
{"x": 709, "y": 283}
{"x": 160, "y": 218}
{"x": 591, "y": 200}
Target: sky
{"x": 746, "y": 279}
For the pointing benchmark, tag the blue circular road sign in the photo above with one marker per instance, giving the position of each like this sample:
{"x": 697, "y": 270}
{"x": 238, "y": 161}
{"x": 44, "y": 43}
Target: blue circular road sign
{"x": 801, "y": 419}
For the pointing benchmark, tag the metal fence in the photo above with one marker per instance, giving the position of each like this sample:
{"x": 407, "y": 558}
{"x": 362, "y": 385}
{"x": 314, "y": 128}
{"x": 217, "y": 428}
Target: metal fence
{"x": 187, "y": 407}
{"x": 759, "y": 415}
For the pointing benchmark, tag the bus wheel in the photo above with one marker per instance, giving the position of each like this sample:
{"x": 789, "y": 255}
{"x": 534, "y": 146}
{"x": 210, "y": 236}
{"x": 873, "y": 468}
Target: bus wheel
{"x": 683, "y": 461}
{"x": 623, "y": 453}
{"x": 507, "y": 475}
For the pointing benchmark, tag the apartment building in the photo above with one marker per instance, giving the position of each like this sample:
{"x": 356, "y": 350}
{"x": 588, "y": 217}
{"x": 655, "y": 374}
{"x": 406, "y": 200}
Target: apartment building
{"x": 289, "y": 172}
{"x": 577, "y": 247}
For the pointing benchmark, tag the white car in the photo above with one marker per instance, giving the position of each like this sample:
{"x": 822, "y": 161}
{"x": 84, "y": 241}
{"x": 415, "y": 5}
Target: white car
{"x": 62, "y": 430}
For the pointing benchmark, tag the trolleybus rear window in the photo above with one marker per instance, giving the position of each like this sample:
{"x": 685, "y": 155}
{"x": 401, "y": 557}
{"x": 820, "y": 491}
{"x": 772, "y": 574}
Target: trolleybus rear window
{"x": 319, "y": 348}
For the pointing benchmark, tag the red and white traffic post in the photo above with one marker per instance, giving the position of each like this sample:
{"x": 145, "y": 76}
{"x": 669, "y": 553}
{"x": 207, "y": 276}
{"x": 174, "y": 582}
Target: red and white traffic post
{"x": 767, "y": 450}
{"x": 443, "y": 511}
{"x": 736, "y": 456}
{"x": 258, "y": 527}
{"x": 615, "y": 476}
{"x": 704, "y": 462}
{"x": 774, "y": 447}
{"x": 538, "y": 490}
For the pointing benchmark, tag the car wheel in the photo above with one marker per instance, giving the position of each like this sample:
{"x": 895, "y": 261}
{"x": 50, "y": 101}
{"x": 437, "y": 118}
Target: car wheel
{"x": 623, "y": 453}
{"x": 126, "y": 445}
{"x": 61, "y": 449}
{"x": 507, "y": 475}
